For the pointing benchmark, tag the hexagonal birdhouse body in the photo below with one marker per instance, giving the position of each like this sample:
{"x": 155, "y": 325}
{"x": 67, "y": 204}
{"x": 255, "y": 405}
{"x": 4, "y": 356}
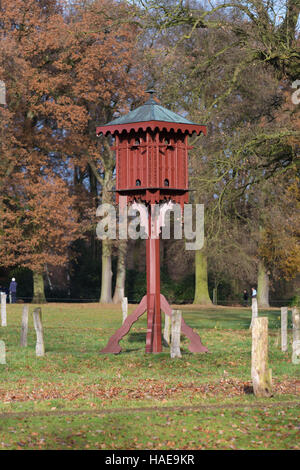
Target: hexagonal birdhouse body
{"x": 151, "y": 145}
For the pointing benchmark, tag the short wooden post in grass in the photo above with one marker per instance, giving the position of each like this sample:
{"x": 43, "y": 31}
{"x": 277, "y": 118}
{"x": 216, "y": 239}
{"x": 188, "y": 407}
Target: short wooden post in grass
{"x": 296, "y": 336}
{"x": 2, "y": 352}
{"x": 3, "y": 309}
{"x": 254, "y": 311}
{"x": 260, "y": 372}
{"x": 284, "y": 323}
{"x": 24, "y": 326}
{"x": 175, "y": 333}
{"x": 124, "y": 308}
{"x": 167, "y": 331}
{"x": 37, "y": 321}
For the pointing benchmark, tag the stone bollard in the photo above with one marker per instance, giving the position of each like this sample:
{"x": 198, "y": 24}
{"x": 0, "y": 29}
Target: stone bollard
{"x": 3, "y": 309}
{"x": 24, "y": 326}
{"x": 175, "y": 333}
{"x": 296, "y": 336}
{"x": 37, "y": 321}
{"x": 260, "y": 373}
{"x": 124, "y": 308}
{"x": 284, "y": 323}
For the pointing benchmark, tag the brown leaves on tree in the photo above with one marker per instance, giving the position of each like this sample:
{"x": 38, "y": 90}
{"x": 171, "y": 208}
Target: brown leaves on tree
{"x": 38, "y": 221}
{"x": 65, "y": 72}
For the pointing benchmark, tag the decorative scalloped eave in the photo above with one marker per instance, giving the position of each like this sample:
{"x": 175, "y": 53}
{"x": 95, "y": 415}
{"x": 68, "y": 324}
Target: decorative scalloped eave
{"x": 152, "y": 125}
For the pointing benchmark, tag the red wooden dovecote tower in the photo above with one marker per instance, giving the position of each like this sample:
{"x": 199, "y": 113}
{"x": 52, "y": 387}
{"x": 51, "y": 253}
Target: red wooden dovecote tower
{"x": 151, "y": 145}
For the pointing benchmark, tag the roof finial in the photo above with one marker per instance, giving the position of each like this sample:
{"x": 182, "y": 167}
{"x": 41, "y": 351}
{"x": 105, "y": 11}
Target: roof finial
{"x": 151, "y": 92}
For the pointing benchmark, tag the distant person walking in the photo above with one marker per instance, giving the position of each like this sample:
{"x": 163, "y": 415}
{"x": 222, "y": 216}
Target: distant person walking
{"x": 254, "y": 293}
{"x": 13, "y": 291}
{"x": 246, "y": 297}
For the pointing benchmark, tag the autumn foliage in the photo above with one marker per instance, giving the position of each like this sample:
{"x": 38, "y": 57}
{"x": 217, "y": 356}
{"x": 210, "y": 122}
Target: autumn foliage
{"x": 65, "y": 72}
{"x": 69, "y": 67}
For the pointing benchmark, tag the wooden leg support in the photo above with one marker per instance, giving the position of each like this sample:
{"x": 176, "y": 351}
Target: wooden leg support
{"x": 113, "y": 346}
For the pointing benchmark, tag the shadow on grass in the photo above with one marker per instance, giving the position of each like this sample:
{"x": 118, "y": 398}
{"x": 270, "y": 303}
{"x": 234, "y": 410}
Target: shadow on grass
{"x": 248, "y": 390}
{"x": 127, "y": 350}
{"x": 136, "y": 338}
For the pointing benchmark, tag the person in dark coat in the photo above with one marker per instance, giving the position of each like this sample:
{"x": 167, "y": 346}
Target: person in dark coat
{"x": 245, "y": 297}
{"x": 13, "y": 290}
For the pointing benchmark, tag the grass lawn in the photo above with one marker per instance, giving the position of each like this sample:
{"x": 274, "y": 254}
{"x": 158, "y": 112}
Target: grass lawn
{"x": 76, "y": 398}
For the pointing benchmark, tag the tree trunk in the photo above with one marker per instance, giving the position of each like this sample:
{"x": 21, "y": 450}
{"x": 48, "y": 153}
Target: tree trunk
{"x": 106, "y": 278}
{"x": 201, "y": 285}
{"x": 106, "y": 296}
{"x": 263, "y": 286}
{"x": 260, "y": 373}
{"x": 38, "y": 289}
{"x": 235, "y": 290}
{"x": 124, "y": 309}
{"x": 121, "y": 273}
{"x": 215, "y": 295}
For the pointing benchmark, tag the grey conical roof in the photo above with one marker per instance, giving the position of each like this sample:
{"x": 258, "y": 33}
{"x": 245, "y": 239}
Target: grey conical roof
{"x": 150, "y": 115}
{"x": 150, "y": 111}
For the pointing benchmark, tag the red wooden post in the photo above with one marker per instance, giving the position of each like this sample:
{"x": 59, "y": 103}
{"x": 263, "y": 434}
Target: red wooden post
{"x": 153, "y": 340}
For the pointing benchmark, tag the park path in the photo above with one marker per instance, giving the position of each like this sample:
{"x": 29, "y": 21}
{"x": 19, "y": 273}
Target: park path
{"x": 162, "y": 409}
